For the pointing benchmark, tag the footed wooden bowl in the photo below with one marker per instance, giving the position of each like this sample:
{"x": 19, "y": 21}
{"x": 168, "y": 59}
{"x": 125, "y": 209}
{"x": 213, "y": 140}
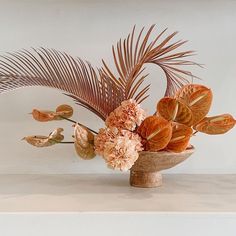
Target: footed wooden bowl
{"x": 145, "y": 173}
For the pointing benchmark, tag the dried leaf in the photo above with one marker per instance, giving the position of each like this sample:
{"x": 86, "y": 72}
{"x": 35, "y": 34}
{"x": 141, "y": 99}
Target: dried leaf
{"x": 44, "y": 116}
{"x": 84, "y": 142}
{"x": 155, "y": 132}
{"x": 198, "y": 98}
{"x": 173, "y": 110}
{"x": 45, "y": 141}
{"x": 216, "y": 124}
{"x": 181, "y": 135}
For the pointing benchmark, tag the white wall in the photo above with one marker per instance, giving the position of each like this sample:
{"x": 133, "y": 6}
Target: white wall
{"x": 88, "y": 29}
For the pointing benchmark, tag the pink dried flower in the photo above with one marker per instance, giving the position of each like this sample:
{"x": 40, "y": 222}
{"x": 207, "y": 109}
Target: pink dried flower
{"x": 119, "y": 148}
{"x": 104, "y": 135}
{"x": 128, "y": 116}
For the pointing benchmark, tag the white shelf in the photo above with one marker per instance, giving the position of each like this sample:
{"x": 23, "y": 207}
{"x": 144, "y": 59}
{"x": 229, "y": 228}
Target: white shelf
{"x": 112, "y": 193}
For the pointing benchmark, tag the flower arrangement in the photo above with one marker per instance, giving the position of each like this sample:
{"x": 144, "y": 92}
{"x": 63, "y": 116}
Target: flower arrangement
{"x": 128, "y": 129}
{"x": 116, "y": 98}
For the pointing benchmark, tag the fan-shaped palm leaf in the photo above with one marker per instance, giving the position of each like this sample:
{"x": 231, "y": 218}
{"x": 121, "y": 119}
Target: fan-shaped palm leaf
{"x": 130, "y": 56}
{"x": 50, "y": 68}
{"x": 97, "y": 90}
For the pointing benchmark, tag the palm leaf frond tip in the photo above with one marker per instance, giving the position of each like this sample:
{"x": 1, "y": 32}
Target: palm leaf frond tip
{"x": 132, "y": 53}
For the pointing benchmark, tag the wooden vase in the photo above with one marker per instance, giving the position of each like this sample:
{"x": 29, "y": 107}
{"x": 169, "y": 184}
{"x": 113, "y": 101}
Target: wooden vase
{"x": 145, "y": 173}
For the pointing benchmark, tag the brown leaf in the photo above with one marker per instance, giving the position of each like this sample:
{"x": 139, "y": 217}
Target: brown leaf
{"x": 173, "y": 110}
{"x": 216, "y": 124}
{"x": 44, "y": 116}
{"x": 181, "y": 135}
{"x": 84, "y": 142}
{"x": 45, "y": 141}
{"x": 155, "y": 132}
{"x": 198, "y": 98}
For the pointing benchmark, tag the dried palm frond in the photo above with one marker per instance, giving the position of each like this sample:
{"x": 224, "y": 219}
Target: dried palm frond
{"x": 97, "y": 90}
{"x": 130, "y": 56}
{"x": 50, "y": 68}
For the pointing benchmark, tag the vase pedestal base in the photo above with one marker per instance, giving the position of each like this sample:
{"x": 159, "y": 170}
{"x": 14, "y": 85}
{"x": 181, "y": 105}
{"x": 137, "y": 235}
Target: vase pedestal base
{"x": 145, "y": 179}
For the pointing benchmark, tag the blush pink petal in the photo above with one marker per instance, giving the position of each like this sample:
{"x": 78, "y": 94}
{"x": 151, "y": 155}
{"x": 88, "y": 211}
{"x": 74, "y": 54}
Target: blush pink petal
{"x": 119, "y": 148}
{"x": 128, "y": 116}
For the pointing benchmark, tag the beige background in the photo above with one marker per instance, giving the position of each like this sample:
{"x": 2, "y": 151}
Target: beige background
{"x": 88, "y": 29}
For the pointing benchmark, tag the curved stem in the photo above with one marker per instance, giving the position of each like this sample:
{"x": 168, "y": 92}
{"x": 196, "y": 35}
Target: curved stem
{"x": 65, "y": 118}
{"x": 95, "y": 132}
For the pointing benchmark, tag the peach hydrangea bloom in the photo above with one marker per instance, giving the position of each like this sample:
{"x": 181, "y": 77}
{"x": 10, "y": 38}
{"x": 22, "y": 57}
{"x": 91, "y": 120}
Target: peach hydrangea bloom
{"x": 128, "y": 116}
{"x": 122, "y": 152}
{"x": 118, "y": 148}
{"x": 104, "y": 135}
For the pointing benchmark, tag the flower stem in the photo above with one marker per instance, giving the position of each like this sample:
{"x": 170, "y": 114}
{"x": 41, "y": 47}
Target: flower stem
{"x": 79, "y": 124}
{"x": 73, "y": 121}
{"x": 194, "y": 133}
{"x": 65, "y": 142}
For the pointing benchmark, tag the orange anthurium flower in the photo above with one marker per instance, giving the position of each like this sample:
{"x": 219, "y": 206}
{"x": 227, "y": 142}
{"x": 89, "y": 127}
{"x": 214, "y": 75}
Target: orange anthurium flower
{"x": 84, "y": 142}
{"x": 173, "y": 110}
{"x": 216, "y": 124}
{"x": 181, "y": 135}
{"x": 61, "y": 111}
{"x": 155, "y": 132}
{"x": 198, "y": 98}
{"x": 45, "y": 141}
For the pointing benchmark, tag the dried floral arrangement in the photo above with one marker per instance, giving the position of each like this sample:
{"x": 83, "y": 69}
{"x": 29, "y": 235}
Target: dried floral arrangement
{"x": 115, "y": 97}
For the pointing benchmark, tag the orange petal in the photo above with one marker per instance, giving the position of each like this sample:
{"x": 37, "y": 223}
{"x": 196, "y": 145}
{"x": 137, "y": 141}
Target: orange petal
{"x": 156, "y": 133}
{"x": 43, "y": 116}
{"x": 173, "y": 110}
{"x": 216, "y": 124}
{"x": 198, "y": 98}
{"x": 64, "y": 110}
{"x": 181, "y": 135}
